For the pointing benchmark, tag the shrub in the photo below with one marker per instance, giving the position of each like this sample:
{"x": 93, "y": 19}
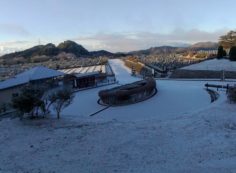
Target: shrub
{"x": 232, "y": 95}
{"x": 28, "y": 100}
{"x": 232, "y": 53}
{"x": 221, "y": 53}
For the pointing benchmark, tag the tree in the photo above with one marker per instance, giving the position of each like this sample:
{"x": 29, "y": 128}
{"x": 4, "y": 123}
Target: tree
{"x": 28, "y": 100}
{"x": 228, "y": 40}
{"x": 221, "y": 52}
{"x": 224, "y": 53}
{"x": 232, "y": 53}
{"x": 61, "y": 99}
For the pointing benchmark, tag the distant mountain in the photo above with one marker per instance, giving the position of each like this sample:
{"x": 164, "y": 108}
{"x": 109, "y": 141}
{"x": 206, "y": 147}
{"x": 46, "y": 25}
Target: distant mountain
{"x": 52, "y": 50}
{"x": 155, "y": 50}
{"x": 80, "y": 51}
{"x": 172, "y": 49}
{"x": 49, "y": 49}
{"x": 205, "y": 46}
{"x": 101, "y": 53}
{"x": 73, "y": 47}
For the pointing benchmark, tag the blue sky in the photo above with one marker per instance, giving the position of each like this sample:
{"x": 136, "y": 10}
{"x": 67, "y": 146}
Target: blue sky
{"x": 115, "y": 25}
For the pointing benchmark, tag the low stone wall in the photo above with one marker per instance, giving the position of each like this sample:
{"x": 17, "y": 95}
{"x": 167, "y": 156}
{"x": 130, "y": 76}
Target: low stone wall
{"x": 128, "y": 94}
{"x": 202, "y": 74}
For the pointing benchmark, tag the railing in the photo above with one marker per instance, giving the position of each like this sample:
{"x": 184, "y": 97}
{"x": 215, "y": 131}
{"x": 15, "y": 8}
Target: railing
{"x": 218, "y": 86}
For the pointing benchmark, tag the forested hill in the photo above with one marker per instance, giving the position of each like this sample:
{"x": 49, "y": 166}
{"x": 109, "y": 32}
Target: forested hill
{"x": 79, "y": 51}
{"x": 170, "y": 49}
{"x": 52, "y": 50}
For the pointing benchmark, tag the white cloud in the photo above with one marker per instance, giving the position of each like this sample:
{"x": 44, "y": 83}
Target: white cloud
{"x": 141, "y": 40}
{"x": 15, "y": 32}
{"x": 12, "y": 46}
{"x": 126, "y": 41}
{"x": 13, "y": 29}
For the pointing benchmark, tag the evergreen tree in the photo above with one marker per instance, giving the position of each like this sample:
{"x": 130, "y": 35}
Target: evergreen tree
{"x": 221, "y": 52}
{"x": 232, "y": 53}
{"x": 28, "y": 100}
{"x": 224, "y": 53}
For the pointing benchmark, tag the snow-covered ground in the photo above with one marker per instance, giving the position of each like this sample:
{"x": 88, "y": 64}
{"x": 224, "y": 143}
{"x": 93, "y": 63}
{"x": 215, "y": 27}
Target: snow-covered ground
{"x": 213, "y": 65}
{"x": 178, "y": 130}
{"x": 123, "y": 73}
{"x": 174, "y": 98}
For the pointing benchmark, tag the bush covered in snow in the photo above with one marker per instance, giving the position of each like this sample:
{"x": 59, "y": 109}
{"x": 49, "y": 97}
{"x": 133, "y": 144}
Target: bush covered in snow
{"x": 232, "y": 95}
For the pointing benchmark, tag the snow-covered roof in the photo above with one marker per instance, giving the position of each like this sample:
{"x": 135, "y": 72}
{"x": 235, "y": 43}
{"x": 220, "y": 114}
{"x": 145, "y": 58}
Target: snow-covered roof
{"x": 213, "y": 65}
{"x": 85, "y": 70}
{"x": 36, "y": 73}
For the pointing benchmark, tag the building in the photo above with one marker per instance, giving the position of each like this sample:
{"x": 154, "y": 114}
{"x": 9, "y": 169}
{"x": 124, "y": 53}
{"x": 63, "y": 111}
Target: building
{"x": 38, "y": 75}
{"x": 89, "y": 77}
{"x": 76, "y": 78}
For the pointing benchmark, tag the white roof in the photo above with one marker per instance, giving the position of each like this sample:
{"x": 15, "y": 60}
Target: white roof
{"x": 35, "y": 73}
{"x": 85, "y": 70}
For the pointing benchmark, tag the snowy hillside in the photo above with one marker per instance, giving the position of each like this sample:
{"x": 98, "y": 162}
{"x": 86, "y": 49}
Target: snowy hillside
{"x": 213, "y": 65}
{"x": 178, "y": 130}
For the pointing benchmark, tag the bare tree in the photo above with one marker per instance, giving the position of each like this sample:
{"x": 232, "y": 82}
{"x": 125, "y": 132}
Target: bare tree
{"x": 61, "y": 99}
